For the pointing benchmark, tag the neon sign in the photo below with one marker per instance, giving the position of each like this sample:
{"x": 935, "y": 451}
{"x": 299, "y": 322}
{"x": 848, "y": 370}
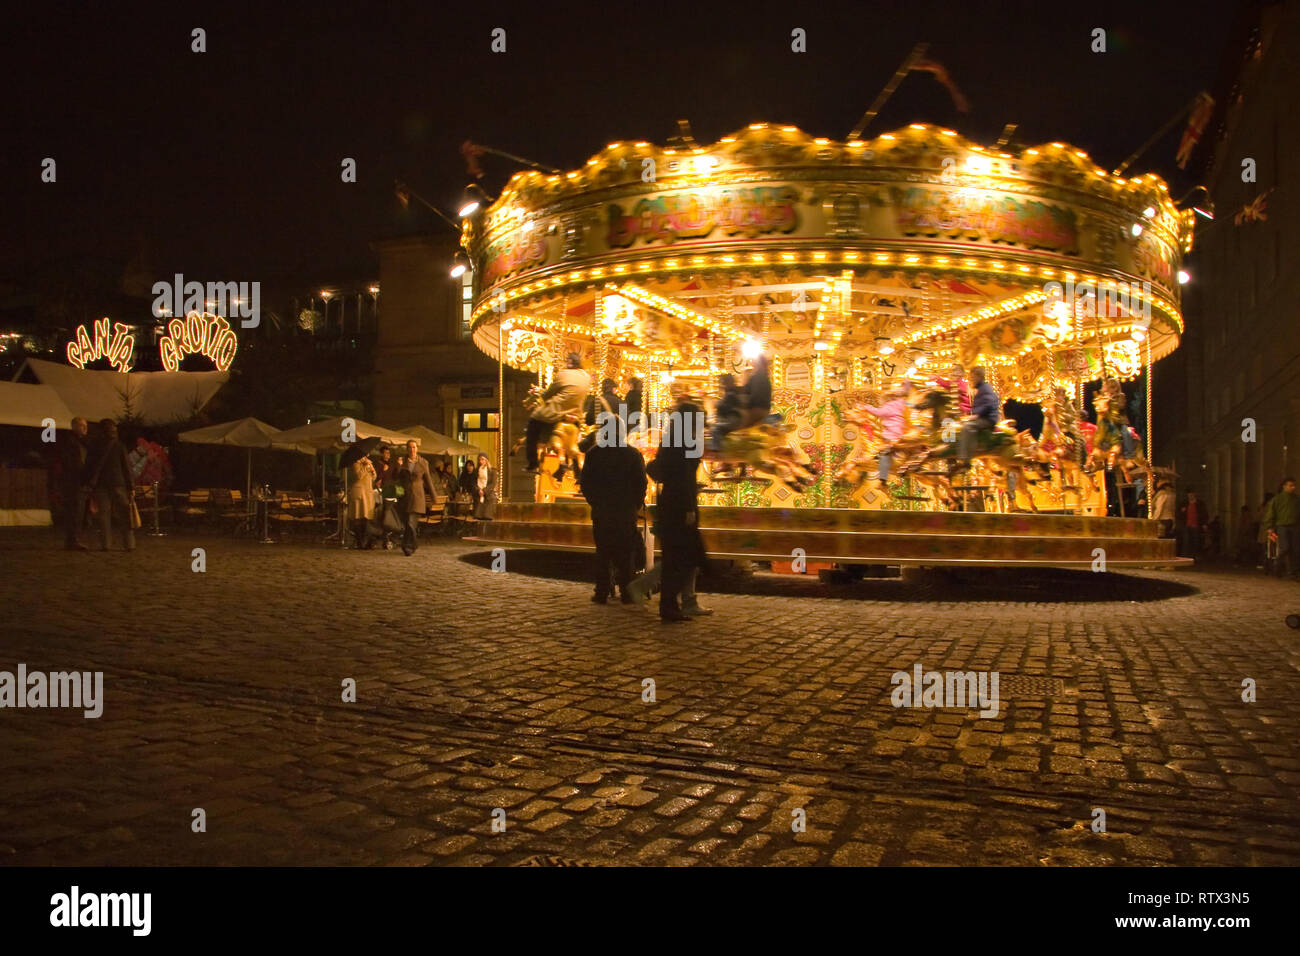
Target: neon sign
{"x": 118, "y": 349}
{"x": 196, "y": 334}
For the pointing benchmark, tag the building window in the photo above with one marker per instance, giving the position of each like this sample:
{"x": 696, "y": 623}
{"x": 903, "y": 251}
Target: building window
{"x": 466, "y": 302}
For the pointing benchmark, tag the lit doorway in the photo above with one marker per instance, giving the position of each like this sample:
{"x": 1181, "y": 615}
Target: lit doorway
{"x": 479, "y": 427}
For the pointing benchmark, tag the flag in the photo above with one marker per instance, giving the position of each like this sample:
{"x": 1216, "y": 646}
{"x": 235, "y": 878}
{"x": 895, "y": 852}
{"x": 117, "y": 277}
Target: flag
{"x": 472, "y": 152}
{"x": 941, "y": 74}
{"x": 1253, "y": 211}
{"x": 1202, "y": 110}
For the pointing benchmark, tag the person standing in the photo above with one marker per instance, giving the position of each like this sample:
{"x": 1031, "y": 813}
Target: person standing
{"x": 1162, "y": 508}
{"x": 614, "y": 484}
{"x": 74, "y": 455}
{"x": 630, "y": 407}
{"x": 111, "y": 486}
{"x": 677, "y": 516}
{"x": 1193, "y": 524}
{"x": 414, "y": 475}
{"x": 468, "y": 484}
{"x": 361, "y": 500}
{"x": 385, "y": 468}
{"x": 1280, "y": 520}
{"x": 487, "y": 490}
{"x": 564, "y": 397}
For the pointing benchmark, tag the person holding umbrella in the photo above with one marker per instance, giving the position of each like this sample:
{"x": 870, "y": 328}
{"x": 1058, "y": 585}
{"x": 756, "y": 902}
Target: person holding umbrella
{"x": 361, "y": 500}
{"x": 361, "y": 488}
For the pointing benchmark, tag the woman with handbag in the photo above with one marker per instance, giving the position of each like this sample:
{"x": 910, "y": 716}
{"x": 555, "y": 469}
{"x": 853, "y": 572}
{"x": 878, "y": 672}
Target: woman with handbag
{"x": 112, "y": 487}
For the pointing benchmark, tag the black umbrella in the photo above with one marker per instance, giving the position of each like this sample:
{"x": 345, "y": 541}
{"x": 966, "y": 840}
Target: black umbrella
{"x": 360, "y": 448}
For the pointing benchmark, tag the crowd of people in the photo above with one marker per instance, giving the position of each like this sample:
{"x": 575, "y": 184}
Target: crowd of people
{"x": 388, "y": 496}
{"x": 1265, "y": 539}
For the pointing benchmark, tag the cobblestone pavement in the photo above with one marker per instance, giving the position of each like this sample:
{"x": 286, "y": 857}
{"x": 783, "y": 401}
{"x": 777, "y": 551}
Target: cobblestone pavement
{"x": 478, "y": 690}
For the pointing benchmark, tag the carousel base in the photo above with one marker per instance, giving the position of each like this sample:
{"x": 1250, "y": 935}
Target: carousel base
{"x": 861, "y": 536}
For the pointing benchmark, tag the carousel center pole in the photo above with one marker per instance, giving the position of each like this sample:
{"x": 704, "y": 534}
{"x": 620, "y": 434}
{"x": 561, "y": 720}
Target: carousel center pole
{"x": 502, "y": 493}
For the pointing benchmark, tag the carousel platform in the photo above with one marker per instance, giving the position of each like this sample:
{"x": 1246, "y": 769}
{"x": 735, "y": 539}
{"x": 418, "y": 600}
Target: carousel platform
{"x": 862, "y": 536}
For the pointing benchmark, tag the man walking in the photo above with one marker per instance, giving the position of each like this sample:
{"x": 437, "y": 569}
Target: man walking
{"x": 414, "y": 475}
{"x": 614, "y": 483}
{"x": 74, "y": 455}
{"x": 564, "y": 397}
{"x": 1280, "y": 520}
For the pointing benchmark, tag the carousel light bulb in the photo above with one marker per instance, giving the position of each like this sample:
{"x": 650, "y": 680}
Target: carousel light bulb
{"x": 1149, "y": 212}
{"x": 1184, "y": 277}
{"x": 1136, "y": 229}
{"x": 751, "y": 349}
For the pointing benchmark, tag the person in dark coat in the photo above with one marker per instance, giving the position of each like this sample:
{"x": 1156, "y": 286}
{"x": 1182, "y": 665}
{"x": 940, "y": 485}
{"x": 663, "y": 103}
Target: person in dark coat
{"x": 74, "y": 455}
{"x": 414, "y": 476}
{"x": 677, "y": 516}
{"x": 635, "y": 396}
{"x": 112, "y": 486}
{"x": 614, "y": 484}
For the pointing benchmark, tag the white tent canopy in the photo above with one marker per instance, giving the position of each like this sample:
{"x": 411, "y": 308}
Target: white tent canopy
{"x": 22, "y": 404}
{"x": 155, "y": 398}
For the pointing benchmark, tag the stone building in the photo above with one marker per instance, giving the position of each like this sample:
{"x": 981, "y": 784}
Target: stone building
{"x": 427, "y": 369}
{"x": 1240, "y": 361}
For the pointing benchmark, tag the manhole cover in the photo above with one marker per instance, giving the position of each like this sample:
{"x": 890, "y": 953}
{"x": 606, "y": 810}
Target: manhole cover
{"x": 1023, "y": 687}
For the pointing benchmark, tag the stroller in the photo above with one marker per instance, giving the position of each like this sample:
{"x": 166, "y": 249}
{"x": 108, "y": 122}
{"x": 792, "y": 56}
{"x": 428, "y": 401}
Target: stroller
{"x": 387, "y": 520}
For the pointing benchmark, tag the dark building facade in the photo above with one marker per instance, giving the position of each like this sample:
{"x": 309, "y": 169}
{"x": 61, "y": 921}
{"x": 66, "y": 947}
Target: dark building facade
{"x": 1239, "y": 364}
{"x": 427, "y": 368}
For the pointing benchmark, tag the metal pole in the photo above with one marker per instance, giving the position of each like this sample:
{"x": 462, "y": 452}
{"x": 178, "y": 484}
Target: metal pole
{"x": 917, "y": 52}
{"x": 501, "y": 416}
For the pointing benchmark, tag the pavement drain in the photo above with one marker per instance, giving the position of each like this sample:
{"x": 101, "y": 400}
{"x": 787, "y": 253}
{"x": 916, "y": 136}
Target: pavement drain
{"x": 542, "y": 859}
{"x": 1023, "y": 687}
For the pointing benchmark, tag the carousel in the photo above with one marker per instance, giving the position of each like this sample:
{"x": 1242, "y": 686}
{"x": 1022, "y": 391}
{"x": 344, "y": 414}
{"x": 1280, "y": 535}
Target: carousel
{"x": 877, "y": 281}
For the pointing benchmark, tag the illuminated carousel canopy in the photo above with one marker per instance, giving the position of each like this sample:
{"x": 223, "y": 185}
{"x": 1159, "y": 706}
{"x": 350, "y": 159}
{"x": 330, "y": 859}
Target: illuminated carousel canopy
{"x": 863, "y": 260}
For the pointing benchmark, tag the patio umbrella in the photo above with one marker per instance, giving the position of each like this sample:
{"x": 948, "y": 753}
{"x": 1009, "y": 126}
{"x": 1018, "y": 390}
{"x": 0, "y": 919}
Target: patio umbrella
{"x": 327, "y": 434}
{"x": 247, "y": 433}
{"x": 434, "y": 443}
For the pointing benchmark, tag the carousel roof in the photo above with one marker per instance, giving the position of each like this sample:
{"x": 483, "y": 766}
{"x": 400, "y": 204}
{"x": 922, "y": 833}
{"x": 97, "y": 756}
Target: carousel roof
{"x": 914, "y": 246}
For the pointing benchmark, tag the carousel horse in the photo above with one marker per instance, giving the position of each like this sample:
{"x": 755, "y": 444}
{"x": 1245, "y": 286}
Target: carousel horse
{"x": 565, "y": 438}
{"x": 1063, "y": 440}
{"x": 1106, "y": 448}
{"x": 762, "y": 448}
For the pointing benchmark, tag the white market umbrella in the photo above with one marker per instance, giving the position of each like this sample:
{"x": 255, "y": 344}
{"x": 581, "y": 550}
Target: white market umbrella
{"x": 247, "y": 433}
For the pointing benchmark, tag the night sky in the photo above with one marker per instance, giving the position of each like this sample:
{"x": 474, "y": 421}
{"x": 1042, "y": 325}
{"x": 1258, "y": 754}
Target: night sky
{"x": 226, "y": 163}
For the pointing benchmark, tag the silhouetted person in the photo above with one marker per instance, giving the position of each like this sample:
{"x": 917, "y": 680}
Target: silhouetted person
{"x": 74, "y": 455}
{"x": 112, "y": 486}
{"x": 614, "y": 484}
